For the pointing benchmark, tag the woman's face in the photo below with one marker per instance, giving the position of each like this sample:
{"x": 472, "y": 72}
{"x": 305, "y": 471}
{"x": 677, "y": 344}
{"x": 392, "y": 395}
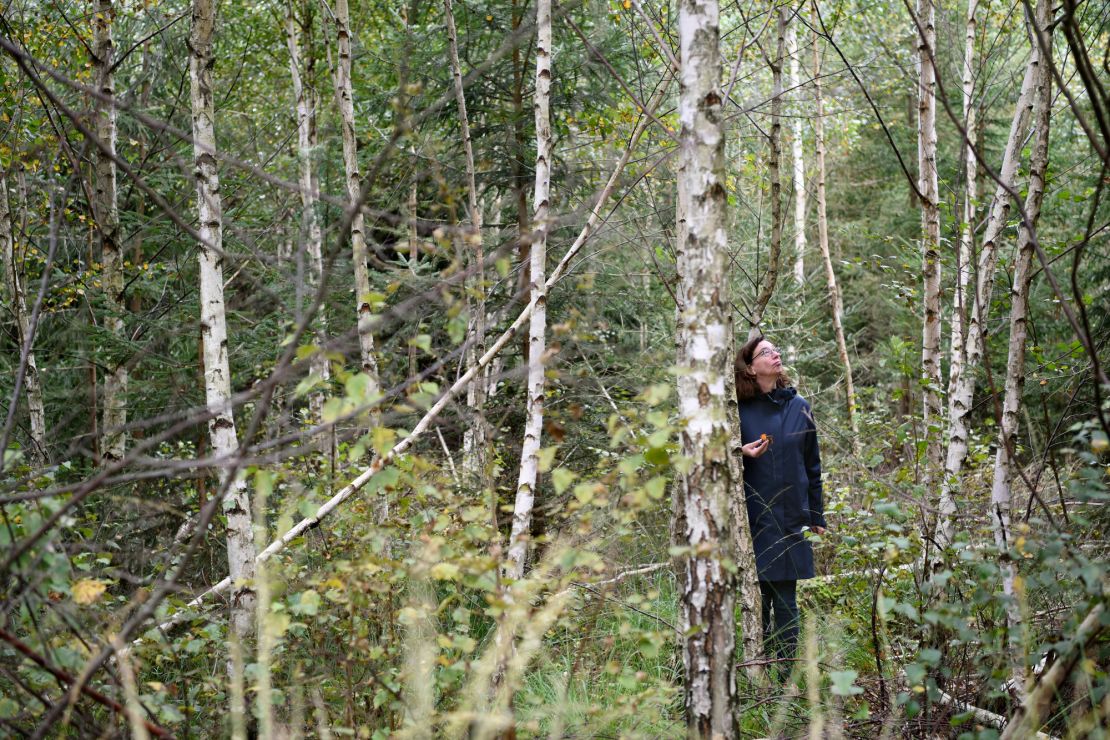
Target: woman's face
{"x": 766, "y": 360}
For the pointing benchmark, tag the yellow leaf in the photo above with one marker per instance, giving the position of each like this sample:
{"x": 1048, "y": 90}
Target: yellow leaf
{"x": 88, "y": 591}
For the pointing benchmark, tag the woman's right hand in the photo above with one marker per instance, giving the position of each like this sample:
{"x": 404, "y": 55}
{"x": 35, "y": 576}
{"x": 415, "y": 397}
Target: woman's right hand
{"x": 756, "y": 448}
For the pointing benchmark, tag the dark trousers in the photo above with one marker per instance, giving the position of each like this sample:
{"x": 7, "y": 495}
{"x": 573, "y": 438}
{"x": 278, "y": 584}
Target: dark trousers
{"x": 780, "y": 637}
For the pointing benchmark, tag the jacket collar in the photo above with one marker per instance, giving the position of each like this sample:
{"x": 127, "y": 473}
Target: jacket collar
{"x": 779, "y": 396}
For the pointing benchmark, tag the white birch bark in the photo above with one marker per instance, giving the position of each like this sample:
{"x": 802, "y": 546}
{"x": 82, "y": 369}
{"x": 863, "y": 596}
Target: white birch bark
{"x": 930, "y": 227}
{"x": 537, "y": 327}
{"x": 113, "y": 439}
{"x": 312, "y": 237}
{"x": 967, "y": 232}
{"x": 345, "y": 97}
{"x": 798, "y": 157}
{"x": 474, "y": 438}
{"x": 1004, "y": 461}
{"x": 962, "y": 393}
{"x": 836, "y": 303}
{"x": 703, "y": 506}
{"x": 17, "y": 301}
{"x": 213, "y": 321}
{"x": 484, "y": 363}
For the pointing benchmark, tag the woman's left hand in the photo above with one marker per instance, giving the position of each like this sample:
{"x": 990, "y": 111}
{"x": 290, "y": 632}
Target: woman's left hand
{"x": 818, "y": 530}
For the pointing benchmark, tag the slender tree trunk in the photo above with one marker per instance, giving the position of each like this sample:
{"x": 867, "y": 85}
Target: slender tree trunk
{"x": 474, "y": 438}
{"x": 537, "y": 327}
{"x": 13, "y": 284}
{"x": 836, "y": 303}
{"x": 927, "y": 184}
{"x": 743, "y": 549}
{"x": 703, "y": 506}
{"x": 113, "y": 441}
{"x": 798, "y": 156}
{"x": 962, "y": 393}
{"x": 312, "y": 237}
{"x": 1004, "y": 460}
{"x": 213, "y": 321}
{"x": 774, "y": 170}
{"x": 967, "y": 228}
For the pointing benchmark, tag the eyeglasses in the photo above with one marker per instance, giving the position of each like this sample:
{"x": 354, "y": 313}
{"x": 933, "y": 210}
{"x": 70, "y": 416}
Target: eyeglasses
{"x": 765, "y": 352}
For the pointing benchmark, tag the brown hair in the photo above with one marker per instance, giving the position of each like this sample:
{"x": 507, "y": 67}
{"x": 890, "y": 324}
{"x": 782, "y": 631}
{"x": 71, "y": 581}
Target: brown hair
{"x": 746, "y": 385}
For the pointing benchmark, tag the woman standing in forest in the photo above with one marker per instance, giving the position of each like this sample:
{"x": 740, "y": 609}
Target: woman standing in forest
{"x": 782, "y": 481}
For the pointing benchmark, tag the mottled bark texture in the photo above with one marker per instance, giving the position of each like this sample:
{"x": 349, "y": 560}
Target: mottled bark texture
{"x": 537, "y": 327}
{"x": 345, "y": 97}
{"x": 213, "y": 322}
{"x": 927, "y": 184}
{"x": 958, "y": 344}
{"x": 797, "y": 152}
{"x": 703, "y": 492}
{"x": 962, "y": 386}
{"x": 1004, "y": 459}
{"x": 301, "y": 66}
{"x": 106, "y": 210}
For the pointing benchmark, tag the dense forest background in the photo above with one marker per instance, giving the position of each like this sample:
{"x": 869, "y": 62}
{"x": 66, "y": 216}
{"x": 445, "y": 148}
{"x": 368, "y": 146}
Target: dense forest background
{"x": 340, "y": 386}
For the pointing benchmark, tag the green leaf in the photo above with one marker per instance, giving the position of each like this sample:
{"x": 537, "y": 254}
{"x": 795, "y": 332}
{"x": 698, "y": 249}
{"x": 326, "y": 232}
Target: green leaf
{"x": 561, "y": 478}
{"x": 333, "y": 410}
{"x": 308, "y": 603}
{"x": 656, "y": 487}
{"x": 842, "y": 683}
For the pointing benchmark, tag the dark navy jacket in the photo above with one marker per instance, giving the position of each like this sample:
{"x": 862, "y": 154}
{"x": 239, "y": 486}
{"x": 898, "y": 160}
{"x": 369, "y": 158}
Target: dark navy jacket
{"x": 783, "y": 485}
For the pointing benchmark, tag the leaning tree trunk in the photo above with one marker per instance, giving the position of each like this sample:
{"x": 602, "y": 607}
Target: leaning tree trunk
{"x": 958, "y": 351}
{"x": 774, "y": 170}
{"x": 962, "y": 393}
{"x": 474, "y": 439}
{"x": 1004, "y": 460}
{"x": 703, "y": 493}
{"x": 345, "y": 95}
{"x": 13, "y": 284}
{"x": 113, "y": 439}
{"x": 312, "y": 238}
{"x": 213, "y": 321}
{"x": 928, "y": 186}
{"x": 533, "y": 425}
{"x": 836, "y": 303}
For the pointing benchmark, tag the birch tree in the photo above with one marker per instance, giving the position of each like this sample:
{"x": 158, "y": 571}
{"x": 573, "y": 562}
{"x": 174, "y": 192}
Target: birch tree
{"x": 1004, "y": 460}
{"x": 537, "y": 325}
{"x": 113, "y": 439}
{"x": 836, "y": 303}
{"x": 344, "y": 94}
{"x": 213, "y": 321}
{"x": 929, "y": 188}
{"x": 703, "y": 491}
{"x": 312, "y": 238}
{"x": 17, "y": 303}
{"x": 966, "y": 250}
{"x": 962, "y": 393}
{"x": 798, "y": 159}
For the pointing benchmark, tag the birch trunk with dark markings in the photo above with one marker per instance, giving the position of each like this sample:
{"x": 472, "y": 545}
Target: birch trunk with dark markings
{"x": 213, "y": 319}
{"x": 113, "y": 441}
{"x": 962, "y": 393}
{"x": 1004, "y": 459}
{"x": 703, "y": 492}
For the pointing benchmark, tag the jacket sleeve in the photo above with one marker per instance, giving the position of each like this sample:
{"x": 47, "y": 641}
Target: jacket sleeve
{"x": 813, "y": 470}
